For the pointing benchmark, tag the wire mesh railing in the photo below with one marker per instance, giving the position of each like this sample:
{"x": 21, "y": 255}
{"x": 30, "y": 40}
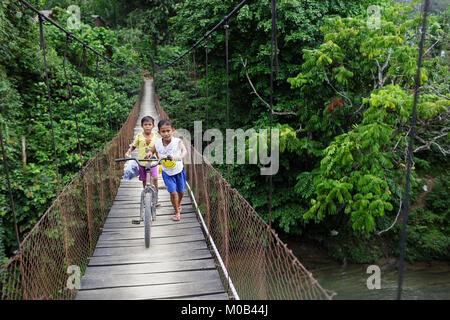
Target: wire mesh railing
{"x": 67, "y": 233}
{"x": 258, "y": 264}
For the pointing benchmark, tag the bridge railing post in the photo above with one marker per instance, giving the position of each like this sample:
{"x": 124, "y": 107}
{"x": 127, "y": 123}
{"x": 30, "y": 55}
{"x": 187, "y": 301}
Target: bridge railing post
{"x": 223, "y": 218}
{"x": 194, "y": 166}
{"x": 205, "y": 177}
{"x": 190, "y": 167}
{"x": 88, "y": 212}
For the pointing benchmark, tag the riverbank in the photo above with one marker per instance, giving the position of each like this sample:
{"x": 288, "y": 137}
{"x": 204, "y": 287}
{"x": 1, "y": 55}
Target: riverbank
{"x": 422, "y": 280}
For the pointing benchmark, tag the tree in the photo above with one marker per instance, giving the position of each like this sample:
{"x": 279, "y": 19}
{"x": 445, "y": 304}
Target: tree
{"x": 183, "y": 97}
{"x": 371, "y": 72}
{"x": 24, "y": 107}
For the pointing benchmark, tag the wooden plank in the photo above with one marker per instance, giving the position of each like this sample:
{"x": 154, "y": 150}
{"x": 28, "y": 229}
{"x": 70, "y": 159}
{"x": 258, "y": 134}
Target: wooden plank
{"x": 169, "y": 225}
{"x": 178, "y": 264}
{"x": 134, "y": 212}
{"x": 157, "y": 232}
{"x": 138, "y": 184}
{"x": 155, "y": 241}
{"x": 176, "y": 257}
{"x": 117, "y": 212}
{"x": 175, "y": 290}
{"x": 159, "y": 213}
{"x": 142, "y": 250}
{"x": 136, "y": 192}
{"x": 164, "y": 218}
{"x": 160, "y": 217}
{"x": 146, "y": 279}
{"x": 126, "y": 234}
{"x": 133, "y": 190}
{"x": 135, "y": 206}
{"x": 216, "y": 296}
{"x": 136, "y": 202}
{"x": 154, "y": 267}
{"x": 162, "y": 221}
{"x": 124, "y": 212}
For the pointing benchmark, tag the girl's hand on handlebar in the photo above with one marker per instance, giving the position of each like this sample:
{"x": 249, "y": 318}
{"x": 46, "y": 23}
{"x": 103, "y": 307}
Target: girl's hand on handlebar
{"x": 174, "y": 158}
{"x": 148, "y": 155}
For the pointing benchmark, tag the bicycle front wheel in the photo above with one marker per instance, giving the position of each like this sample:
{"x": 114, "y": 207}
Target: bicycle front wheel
{"x": 147, "y": 219}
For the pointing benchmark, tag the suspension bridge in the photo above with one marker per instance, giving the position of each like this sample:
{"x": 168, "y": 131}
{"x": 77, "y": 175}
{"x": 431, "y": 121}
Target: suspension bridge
{"x": 221, "y": 248}
{"x": 178, "y": 264}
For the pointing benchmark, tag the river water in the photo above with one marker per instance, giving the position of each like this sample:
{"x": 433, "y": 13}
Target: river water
{"x": 421, "y": 280}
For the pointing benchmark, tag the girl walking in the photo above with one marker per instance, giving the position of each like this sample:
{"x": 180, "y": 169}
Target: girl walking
{"x": 173, "y": 150}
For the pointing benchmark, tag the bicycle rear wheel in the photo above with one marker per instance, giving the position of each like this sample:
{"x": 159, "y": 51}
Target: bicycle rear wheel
{"x": 147, "y": 219}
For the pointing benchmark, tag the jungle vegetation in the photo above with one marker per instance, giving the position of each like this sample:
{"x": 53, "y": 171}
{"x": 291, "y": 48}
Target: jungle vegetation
{"x": 342, "y": 96}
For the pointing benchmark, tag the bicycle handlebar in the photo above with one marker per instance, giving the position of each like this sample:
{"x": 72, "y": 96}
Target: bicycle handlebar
{"x": 158, "y": 161}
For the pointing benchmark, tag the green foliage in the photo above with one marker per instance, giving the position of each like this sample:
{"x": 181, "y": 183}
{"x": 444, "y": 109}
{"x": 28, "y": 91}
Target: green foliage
{"x": 305, "y": 184}
{"x": 182, "y": 89}
{"x": 429, "y": 227}
{"x": 437, "y": 199}
{"x": 342, "y": 145}
{"x": 24, "y": 107}
{"x": 2, "y": 246}
{"x": 353, "y": 249}
{"x": 361, "y": 168}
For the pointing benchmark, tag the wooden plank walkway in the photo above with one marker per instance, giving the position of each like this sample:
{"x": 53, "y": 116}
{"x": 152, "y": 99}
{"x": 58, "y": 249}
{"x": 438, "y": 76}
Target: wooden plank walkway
{"x": 178, "y": 264}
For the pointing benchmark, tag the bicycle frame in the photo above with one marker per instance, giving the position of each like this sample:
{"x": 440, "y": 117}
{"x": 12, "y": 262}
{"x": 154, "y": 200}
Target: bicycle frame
{"x": 148, "y": 198}
{"x": 150, "y": 201}
{"x": 148, "y": 189}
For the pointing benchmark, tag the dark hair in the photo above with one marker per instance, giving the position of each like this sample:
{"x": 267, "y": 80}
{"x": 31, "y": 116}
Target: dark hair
{"x": 164, "y": 122}
{"x": 147, "y": 119}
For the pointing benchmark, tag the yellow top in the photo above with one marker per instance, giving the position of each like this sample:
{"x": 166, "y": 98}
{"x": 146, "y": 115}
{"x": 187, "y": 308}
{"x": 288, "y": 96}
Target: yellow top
{"x": 141, "y": 143}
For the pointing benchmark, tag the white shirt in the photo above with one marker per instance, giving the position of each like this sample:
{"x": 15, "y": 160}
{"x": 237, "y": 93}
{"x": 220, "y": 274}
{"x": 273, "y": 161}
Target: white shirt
{"x": 173, "y": 148}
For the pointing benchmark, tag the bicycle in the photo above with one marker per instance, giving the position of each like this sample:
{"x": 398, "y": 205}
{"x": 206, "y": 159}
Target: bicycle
{"x": 148, "y": 195}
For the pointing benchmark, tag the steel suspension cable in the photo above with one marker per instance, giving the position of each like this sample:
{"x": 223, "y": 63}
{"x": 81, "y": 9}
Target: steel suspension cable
{"x": 100, "y": 99}
{"x": 109, "y": 105}
{"x": 188, "y": 67}
{"x": 43, "y": 17}
{"x": 272, "y": 49}
{"x": 83, "y": 56}
{"x": 410, "y": 150}
{"x": 186, "y": 82}
{"x": 42, "y": 43}
{"x": 112, "y": 70}
{"x": 194, "y": 65}
{"x": 274, "y": 36}
{"x": 206, "y": 71}
{"x": 224, "y": 20}
{"x": 85, "y": 188}
{"x": 69, "y": 89}
{"x": 8, "y": 182}
{"x": 226, "y": 27}
{"x": 195, "y": 74}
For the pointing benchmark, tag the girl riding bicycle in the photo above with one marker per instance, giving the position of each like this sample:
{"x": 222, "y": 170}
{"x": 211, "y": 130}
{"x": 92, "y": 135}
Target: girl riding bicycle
{"x": 145, "y": 141}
